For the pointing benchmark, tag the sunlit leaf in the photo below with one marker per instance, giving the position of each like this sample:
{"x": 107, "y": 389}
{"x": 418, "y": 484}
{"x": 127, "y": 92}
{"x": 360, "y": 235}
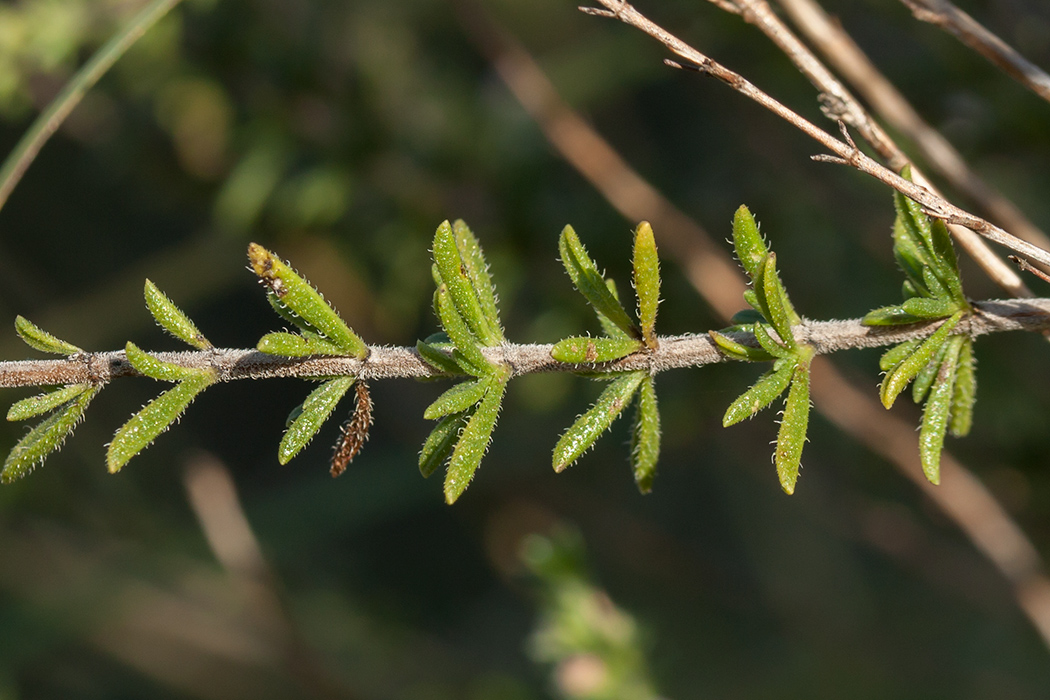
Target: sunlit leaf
{"x": 781, "y": 315}
{"x": 889, "y": 316}
{"x": 897, "y": 354}
{"x": 965, "y": 392}
{"x": 295, "y": 345}
{"x": 39, "y": 339}
{"x": 899, "y": 377}
{"x": 769, "y": 386}
{"x": 461, "y": 336}
{"x": 590, "y": 283}
{"x": 42, "y": 403}
{"x": 766, "y": 342}
{"x": 457, "y": 399}
{"x": 581, "y": 435}
{"x": 439, "y": 443}
{"x": 172, "y": 319}
{"x": 303, "y": 300}
{"x": 935, "y": 414}
{"x": 316, "y": 409}
{"x": 156, "y": 417}
{"x": 473, "y": 442}
{"x": 477, "y": 270}
{"x": 791, "y": 437}
{"x": 583, "y": 349}
{"x": 610, "y": 328}
{"x": 738, "y": 351}
{"x": 751, "y": 250}
{"x": 437, "y": 359}
{"x": 645, "y": 438}
{"x": 460, "y": 286}
{"x": 924, "y": 379}
{"x": 646, "y": 281}
{"x": 156, "y": 368}
{"x": 46, "y": 437}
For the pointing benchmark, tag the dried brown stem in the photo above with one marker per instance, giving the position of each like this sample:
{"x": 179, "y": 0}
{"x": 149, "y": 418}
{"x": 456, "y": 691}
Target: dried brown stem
{"x": 972, "y": 33}
{"x": 839, "y": 104}
{"x": 844, "y": 152}
{"x": 886, "y": 100}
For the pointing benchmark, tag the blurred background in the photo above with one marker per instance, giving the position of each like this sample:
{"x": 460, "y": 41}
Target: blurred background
{"x": 339, "y": 134}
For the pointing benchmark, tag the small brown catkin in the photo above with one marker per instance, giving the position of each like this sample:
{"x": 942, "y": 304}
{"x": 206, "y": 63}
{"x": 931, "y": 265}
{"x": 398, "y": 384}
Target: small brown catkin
{"x": 355, "y": 431}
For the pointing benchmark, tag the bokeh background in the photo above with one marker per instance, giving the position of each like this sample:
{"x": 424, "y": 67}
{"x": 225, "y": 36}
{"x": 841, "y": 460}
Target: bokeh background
{"x": 340, "y": 134}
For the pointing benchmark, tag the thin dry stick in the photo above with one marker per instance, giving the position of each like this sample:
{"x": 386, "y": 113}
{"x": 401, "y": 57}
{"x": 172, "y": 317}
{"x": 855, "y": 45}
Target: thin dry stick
{"x": 888, "y": 102}
{"x": 972, "y": 33}
{"x": 840, "y": 105}
{"x": 961, "y": 496}
{"x": 846, "y": 152}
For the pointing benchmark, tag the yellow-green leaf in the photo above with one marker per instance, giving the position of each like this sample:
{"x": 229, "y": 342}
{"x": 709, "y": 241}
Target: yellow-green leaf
{"x": 769, "y": 386}
{"x": 439, "y": 443}
{"x": 610, "y": 404}
{"x": 315, "y": 410}
{"x": 458, "y": 399}
{"x": 473, "y": 442}
{"x": 477, "y": 270}
{"x": 46, "y": 437}
{"x": 738, "y": 351}
{"x": 899, "y": 377}
{"x": 583, "y": 349}
{"x": 42, "y": 403}
{"x": 437, "y": 359}
{"x": 172, "y": 319}
{"x": 646, "y": 281}
{"x": 645, "y": 438}
{"x": 781, "y": 315}
{"x": 751, "y": 250}
{"x": 965, "y": 392}
{"x": 791, "y": 437}
{"x": 460, "y": 286}
{"x": 157, "y": 368}
{"x": 935, "y": 415}
{"x": 295, "y": 345}
{"x": 460, "y": 335}
{"x": 897, "y": 354}
{"x": 39, "y": 339}
{"x": 590, "y": 283}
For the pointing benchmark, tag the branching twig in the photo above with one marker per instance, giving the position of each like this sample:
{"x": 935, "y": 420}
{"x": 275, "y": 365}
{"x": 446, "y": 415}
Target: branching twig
{"x": 844, "y": 152}
{"x": 970, "y": 32}
{"x": 673, "y": 352}
{"x": 888, "y": 102}
{"x": 839, "y": 104}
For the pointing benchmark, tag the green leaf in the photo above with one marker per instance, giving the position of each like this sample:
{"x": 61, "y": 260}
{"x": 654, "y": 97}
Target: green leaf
{"x": 590, "y": 283}
{"x": 645, "y": 438}
{"x": 436, "y": 358}
{"x": 172, "y": 319}
{"x": 473, "y": 442}
{"x": 781, "y": 314}
{"x": 751, "y": 250}
{"x": 766, "y": 342}
{"x": 898, "y": 378}
{"x": 316, "y": 409}
{"x": 458, "y": 399}
{"x": 584, "y": 349}
{"x": 746, "y": 317}
{"x": 924, "y": 379}
{"x": 156, "y": 417}
{"x": 290, "y": 316}
{"x": 610, "y": 328}
{"x": 46, "y": 437}
{"x": 769, "y": 386}
{"x": 301, "y": 298}
{"x": 39, "y": 339}
{"x": 157, "y": 368}
{"x": 935, "y": 414}
{"x": 791, "y": 437}
{"x": 889, "y": 316}
{"x": 949, "y": 264}
{"x": 581, "y": 435}
{"x": 295, "y": 345}
{"x": 42, "y": 403}
{"x": 439, "y": 443}
{"x": 965, "y": 393}
{"x": 646, "y": 281}
{"x": 460, "y": 287}
{"x": 477, "y": 271}
{"x": 466, "y": 344}
{"x": 897, "y": 354}
{"x": 738, "y": 351}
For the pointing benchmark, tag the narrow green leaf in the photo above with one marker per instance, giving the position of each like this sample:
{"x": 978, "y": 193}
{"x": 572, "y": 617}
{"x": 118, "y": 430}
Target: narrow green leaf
{"x": 295, "y": 345}
{"x": 42, "y": 403}
{"x": 766, "y": 342}
{"x": 156, "y": 368}
{"x": 769, "y": 386}
{"x": 895, "y": 381}
{"x": 645, "y": 438}
{"x": 584, "y": 349}
{"x": 889, "y": 316}
{"x": 751, "y": 250}
{"x": 299, "y": 295}
{"x": 39, "y": 339}
{"x": 473, "y": 442}
{"x": 461, "y": 336}
{"x": 45, "y": 437}
{"x": 156, "y": 417}
{"x": 781, "y": 315}
{"x": 791, "y": 437}
{"x": 646, "y": 281}
{"x": 458, "y": 399}
{"x": 581, "y": 435}
{"x": 933, "y": 283}
{"x": 757, "y": 304}
{"x": 316, "y": 409}
{"x": 949, "y": 264}
{"x": 897, "y": 354}
{"x": 477, "y": 271}
{"x": 610, "y": 328}
{"x": 910, "y": 259}
{"x": 746, "y": 317}
{"x": 439, "y": 443}
{"x": 935, "y": 415}
{"x": 461, "y": 287}
{"x": 965, "y": 393}
{"x": 590, "y": 283}
{"x": 739, "y": 351}
{"x": 291, "y": 317}
{"x": 172, "y": 319}
{"x": 436, "y": 358}
{"x": 924, "y": 379}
